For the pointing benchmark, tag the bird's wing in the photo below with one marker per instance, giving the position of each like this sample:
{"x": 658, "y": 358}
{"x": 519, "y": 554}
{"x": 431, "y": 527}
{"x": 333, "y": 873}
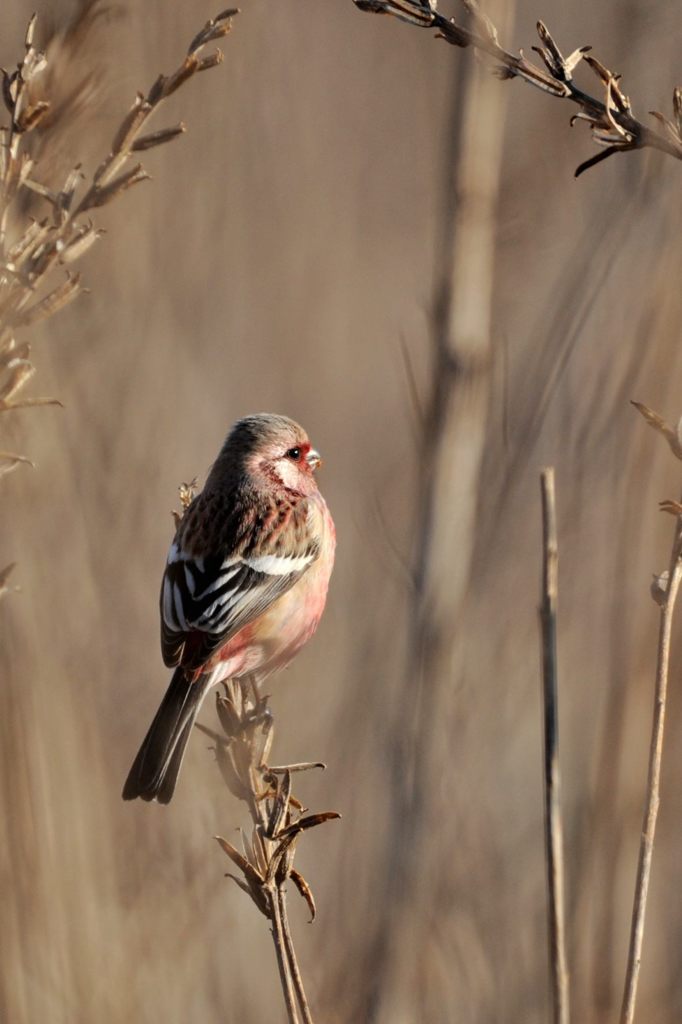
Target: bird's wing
{"x": 206, "y": 601}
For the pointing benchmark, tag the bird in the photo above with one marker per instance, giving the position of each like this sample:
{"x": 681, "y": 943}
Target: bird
{"x": 244, "y": 586}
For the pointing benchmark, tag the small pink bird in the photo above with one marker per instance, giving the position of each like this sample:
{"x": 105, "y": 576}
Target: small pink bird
{"x": 245, "y": 583}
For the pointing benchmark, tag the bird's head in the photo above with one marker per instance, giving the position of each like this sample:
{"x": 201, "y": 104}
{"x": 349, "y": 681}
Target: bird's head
{"x": 274, "y": 450}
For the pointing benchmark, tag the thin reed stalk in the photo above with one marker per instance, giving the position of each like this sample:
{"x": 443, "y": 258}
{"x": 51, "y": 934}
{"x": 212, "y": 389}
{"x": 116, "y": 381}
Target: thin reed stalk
{"x": 275, "y": 902}
{"x": 291, "y": 954}
{"x": 554, "y": 846}
{"x": 665, "y": 592}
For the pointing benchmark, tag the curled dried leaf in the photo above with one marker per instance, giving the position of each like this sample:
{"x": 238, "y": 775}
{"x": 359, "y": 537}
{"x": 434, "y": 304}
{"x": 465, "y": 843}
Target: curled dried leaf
{"x": 309, "y": 821}
{"x": 300, "y": 766}
{"x": 599, "y": 69}
{"x": 305, "y": 891}
{"x": 594, "y": 160}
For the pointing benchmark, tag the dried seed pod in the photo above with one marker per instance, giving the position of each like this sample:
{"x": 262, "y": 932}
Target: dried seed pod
{"x": 51, "y": 304}
{"x": 158, "y": 138}
{"x": 131, "y": 124}
{"x": 105, "y": 193}
{"x": 280, "y": 806}
{"x": 216, "y": 28}
{"x": 86, "y": 236}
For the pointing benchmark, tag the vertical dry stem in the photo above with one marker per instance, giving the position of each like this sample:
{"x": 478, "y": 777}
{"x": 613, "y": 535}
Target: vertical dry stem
{"x": 275, "y": 902}
{"x": 291, "y": 955}
{"x": 646, "y": 845}
{"x": 553, "y": 824}
{"x": 451, "y": 457}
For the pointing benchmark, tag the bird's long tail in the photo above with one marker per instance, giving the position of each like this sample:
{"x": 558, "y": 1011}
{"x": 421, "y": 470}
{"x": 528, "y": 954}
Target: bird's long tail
{"x": 155, "y": 769}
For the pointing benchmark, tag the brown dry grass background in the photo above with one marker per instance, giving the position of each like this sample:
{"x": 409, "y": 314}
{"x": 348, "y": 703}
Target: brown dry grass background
{"x": 280, "y": 258}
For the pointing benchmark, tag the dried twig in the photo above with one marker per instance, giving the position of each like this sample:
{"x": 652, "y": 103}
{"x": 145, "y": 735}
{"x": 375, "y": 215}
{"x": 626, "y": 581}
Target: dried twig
{"x": 665, "y": 594}
{"x": 554, "y": 850}
{"x": 266, "y": 862}
{"x": 613, "y": 125}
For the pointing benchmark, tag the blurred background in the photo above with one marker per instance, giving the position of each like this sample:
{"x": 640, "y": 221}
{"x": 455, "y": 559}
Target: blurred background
{"x": 286, "y": 257}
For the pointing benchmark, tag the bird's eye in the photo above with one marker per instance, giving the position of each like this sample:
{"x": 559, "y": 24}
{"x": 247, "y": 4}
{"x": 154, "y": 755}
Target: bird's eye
{"x": 294, "y": 453}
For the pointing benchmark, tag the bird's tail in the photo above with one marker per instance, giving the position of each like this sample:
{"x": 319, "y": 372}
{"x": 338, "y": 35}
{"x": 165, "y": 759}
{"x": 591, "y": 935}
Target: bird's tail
{"x": 155, "y": 769}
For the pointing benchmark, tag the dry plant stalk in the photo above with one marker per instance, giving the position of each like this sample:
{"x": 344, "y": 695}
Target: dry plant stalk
{"x": 554, "y": 843}
{"x": 266, "y": 861}
{"x": 453, "y": 420}
{"x": 612, "y": 122}
{"x": 35, "y": 253}
{"x": 664, "y": 591}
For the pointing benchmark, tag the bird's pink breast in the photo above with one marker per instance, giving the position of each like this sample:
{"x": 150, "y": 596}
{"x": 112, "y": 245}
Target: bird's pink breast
{"x": 271, "y": 641}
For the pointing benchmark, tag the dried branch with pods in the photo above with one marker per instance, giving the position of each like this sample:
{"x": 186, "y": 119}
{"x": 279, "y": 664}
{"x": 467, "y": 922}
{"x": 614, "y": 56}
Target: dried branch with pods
{"x": 266, "y": 860}
{"x": 33, "y": 252}
{"x": 613, "y": 124}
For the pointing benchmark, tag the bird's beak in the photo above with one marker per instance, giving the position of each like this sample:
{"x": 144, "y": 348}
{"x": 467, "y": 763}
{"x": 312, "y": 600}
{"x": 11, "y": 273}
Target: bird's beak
{"x": 314, "y": 459}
